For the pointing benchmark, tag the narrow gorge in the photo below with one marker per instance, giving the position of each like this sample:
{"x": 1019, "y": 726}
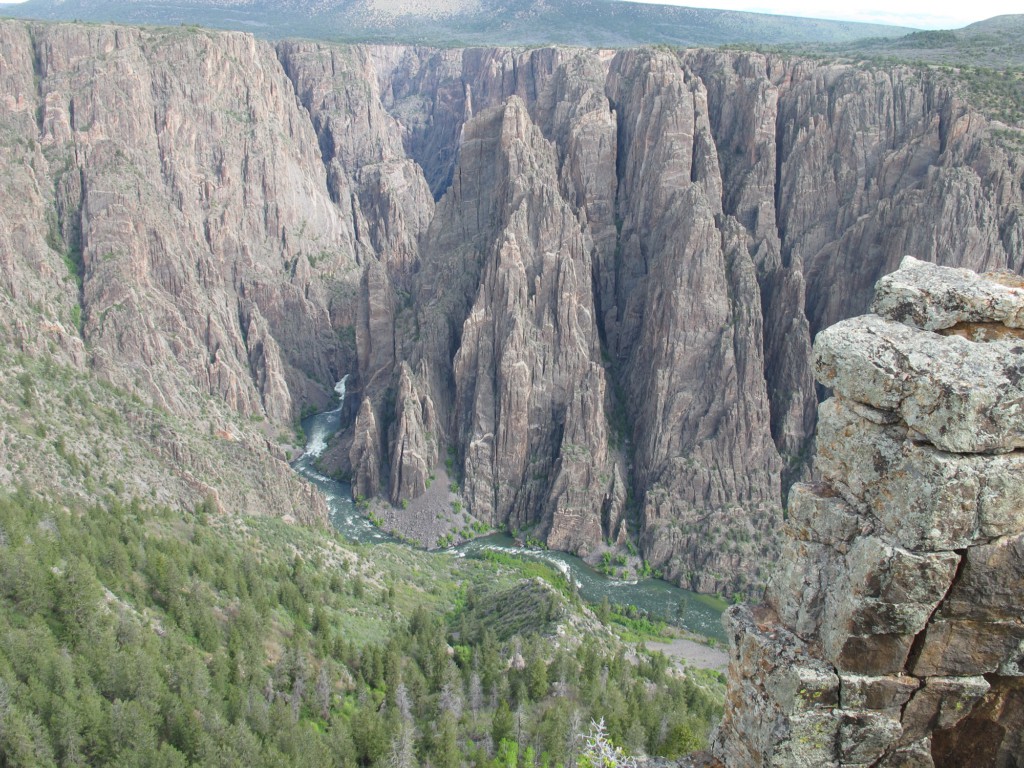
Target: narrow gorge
{"x": 586, "y": 281}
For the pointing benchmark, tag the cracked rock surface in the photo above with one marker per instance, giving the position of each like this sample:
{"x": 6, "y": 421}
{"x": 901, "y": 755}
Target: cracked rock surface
{"x": 893, "y": 631}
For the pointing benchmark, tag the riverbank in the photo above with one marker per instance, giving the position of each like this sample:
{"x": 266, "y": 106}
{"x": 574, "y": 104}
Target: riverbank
{"x": 436, "y": 519}
{"x": 690, "y": 653}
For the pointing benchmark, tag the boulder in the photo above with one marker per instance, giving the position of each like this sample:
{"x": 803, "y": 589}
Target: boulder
{"x": 959, "y": 395}
{"x": 991, "y": 583}
{"x": 931, "y": 297}
{"x": 922, "y": 497}
{"x": 879, "y": 599}
{"x": 817, "y": 513}
{"x": 940, "y": 703}
{"x": 886, "y": 693}
{"x": 903, "y": 566}
{"x": 963, "y": 647}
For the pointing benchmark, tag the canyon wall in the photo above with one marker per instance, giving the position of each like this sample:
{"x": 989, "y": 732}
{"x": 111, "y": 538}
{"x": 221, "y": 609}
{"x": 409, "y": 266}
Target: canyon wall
{"x": 893, "y": 632}
{"x": 588, "y": 281}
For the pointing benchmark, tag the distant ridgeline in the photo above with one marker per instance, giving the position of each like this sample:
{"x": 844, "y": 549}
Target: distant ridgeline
{"x": 604, "y": 23}
{"x": 892, "y": 632}
{"x": 995, "y": 43}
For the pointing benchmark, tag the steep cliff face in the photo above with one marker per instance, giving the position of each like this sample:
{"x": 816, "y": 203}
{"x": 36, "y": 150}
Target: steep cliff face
{"x": 189, "y": 262}
{"x": 891, "y": 634}
{"x": 590, "y": 280}
{"x": 688, "y": 332}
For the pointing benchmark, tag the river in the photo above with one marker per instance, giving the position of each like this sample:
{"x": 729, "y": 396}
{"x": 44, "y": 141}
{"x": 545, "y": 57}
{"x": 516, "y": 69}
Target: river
{"x": 661, "y": 600}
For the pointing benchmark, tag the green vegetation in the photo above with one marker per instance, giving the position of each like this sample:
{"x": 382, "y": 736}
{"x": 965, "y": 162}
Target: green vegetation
{"x": 533, "y": 570}
{"x": 143, "y": 635}
{"x": 998, "y": 93}
{"x": 635, "y": 628}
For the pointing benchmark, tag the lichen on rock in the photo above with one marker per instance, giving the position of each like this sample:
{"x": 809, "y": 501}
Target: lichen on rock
{"x": 903, "y": 564}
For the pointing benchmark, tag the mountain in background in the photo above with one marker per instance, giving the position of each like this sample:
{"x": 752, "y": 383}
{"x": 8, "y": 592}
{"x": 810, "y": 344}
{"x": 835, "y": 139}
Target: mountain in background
{"x": 994, "y": 43}
{"x": 606, "y": 23}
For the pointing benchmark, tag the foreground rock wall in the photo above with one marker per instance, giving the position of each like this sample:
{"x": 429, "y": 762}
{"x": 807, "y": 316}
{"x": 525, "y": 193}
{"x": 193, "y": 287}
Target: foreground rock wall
{"x": 892, "y": 633}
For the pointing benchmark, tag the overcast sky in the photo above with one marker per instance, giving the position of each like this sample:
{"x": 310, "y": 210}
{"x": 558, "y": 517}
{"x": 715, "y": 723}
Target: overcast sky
{"x": 922, "y": 14}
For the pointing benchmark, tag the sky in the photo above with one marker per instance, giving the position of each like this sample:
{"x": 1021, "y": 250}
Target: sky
{"x": 921, "y": 14}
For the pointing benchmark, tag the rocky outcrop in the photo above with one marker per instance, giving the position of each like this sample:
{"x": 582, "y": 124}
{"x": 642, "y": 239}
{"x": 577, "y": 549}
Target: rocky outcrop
{"x": 414, "y": 443}
{"x": 368, "y": 171}
{"x": 689, "y": 330}
{"x": 892, "y": 632}
{"x": 583, "y": 504}
{"x": 365, "y": 453}
{"x": 166, "y": 206}
{"x": 522, "y": 377}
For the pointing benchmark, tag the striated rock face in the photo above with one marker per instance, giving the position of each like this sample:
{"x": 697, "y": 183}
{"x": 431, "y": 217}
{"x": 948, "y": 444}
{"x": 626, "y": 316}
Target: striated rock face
{"x": 527, "y": 402}
{"x": 414, "y": 452}
{"x": 893, "y": 633}
{"x": 364, "y": 455}
{"x": 689, "y": 330}
{"x": 165, "y": 190}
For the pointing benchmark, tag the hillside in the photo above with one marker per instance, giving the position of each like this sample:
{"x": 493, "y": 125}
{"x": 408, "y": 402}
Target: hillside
{"x": 996, "y": 43}
{"x": 599, "y": 23}
{"x": 154, "y": 636}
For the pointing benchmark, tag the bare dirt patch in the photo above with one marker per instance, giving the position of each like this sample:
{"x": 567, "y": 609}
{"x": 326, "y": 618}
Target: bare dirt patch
{"x": 434, "y": 520}
{"x": 691, "y": 653}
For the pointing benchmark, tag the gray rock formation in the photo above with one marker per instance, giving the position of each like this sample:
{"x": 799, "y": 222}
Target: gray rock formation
{"x": 522, "y": 325}
{"x": 414, "y": 451}
{"x": 893, "y": 632}
{"x": 365, "y": 453}
{"x": 163, "y": 216}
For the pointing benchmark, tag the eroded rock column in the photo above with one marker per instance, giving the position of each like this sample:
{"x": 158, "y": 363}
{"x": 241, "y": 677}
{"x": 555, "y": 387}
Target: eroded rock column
{"x": 892, "y": 632}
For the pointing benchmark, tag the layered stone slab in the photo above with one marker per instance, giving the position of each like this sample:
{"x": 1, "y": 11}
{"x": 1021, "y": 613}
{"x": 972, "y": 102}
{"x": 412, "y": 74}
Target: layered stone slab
{"x": 799, "y": 585}
{"x": 940, "y": 703}
{"x": 886, "y": 693}
{"x": 903, "y": 569}
{"x": 818, "y": 513}
{"x": 880, "y": 598}
{"x": 991, "y": 584}
{"x": 931, "y": 297}
{"x": 961, "y": 396}
{"x": 964, "y": 647}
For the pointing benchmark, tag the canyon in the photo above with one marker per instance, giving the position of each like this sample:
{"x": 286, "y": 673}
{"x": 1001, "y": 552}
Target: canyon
{"x": 585, "y": 281}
